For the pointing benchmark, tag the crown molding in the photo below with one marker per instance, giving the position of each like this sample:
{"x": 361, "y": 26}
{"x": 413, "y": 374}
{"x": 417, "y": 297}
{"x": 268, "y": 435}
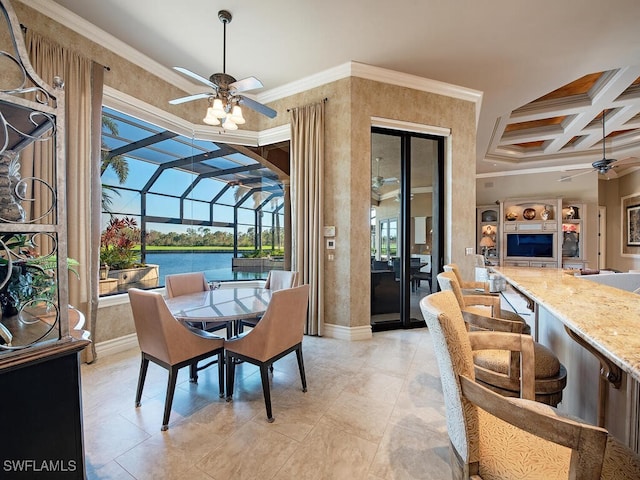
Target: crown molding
{"x": 88, "y": 30}
{"x": 274, "y": 135}
{"x": 307, "y": 83}
{"x": 415, "y": 82}
{"x": 369, "y": 72}
{"x": 127, "y": 104}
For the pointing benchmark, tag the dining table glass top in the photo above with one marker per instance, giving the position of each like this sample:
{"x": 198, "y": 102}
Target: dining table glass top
{"x": 220, "y": 304}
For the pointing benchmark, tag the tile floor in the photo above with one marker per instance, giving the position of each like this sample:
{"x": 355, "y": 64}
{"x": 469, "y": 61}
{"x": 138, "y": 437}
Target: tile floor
{"x": 373, "y": 410}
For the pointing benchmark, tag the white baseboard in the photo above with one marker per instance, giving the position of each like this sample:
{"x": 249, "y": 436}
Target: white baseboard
{"x": 116, "y": 345}
{"x": 347, "y": 333}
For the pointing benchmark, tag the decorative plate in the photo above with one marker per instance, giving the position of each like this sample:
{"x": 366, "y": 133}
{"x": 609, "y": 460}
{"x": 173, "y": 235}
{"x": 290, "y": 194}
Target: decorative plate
{"x": 529, "y": 213}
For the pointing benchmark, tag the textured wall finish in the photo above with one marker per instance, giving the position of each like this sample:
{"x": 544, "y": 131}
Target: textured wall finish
{"x": 352, "y": 102}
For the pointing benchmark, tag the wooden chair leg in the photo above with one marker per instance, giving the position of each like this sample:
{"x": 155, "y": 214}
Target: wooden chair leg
{"x": 303, "y": 377}
{"x": 193, "y": 372}
{"x": 144, "y": 364}
{"x": 221, "y": 374}
{"x": 264, "y": 376}
{"x": 231, "y": 371}
{"x": 171, "y": 388}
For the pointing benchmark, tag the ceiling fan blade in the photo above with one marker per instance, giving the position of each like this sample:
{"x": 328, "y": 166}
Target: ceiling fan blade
{"x": 257, "y": 106}
{"x": 190, "y": 98}
{"x": 249, "y": 83}
{"x": 626, "y": 162}
{"x": 564, "y": 179}
{"x": 195, "y": 76}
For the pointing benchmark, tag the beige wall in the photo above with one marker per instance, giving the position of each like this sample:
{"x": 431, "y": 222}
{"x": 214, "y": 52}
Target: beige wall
{"x": 351, "y": 105}
{"x": 611, "y": 192}
{"x": 352, "y": 102}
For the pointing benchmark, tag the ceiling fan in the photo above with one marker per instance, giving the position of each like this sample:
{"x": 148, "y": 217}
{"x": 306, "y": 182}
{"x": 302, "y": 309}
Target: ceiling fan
{"x": 226, "y": 98}
{"x": 378, "y": 181}
{"x": 605, "y": 166}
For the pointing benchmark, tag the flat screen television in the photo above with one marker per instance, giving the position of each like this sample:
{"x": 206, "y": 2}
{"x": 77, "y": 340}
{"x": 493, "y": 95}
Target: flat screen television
{"x": 530, "y": 245}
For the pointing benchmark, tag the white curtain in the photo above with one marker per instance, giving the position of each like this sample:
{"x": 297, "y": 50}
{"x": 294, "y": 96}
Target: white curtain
{"x": 83, "y": 81}
{"x": 307, "y": 176}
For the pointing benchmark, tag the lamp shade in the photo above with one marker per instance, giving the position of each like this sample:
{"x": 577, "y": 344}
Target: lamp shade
{"x": 236, "y": 115}
{"x": 210, "y": 118}
{"x": 229, "y": 124}
{"x": 218, "y": 108}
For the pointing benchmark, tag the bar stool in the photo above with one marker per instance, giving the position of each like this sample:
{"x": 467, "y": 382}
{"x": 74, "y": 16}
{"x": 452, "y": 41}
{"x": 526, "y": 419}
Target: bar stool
{"x": 499, "y": 370}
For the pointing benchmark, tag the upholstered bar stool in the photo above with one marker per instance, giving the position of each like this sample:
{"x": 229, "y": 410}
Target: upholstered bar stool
{"x": 500, "y": 438}
{"x": 470, "y": 286}
{"x": 499, "y": 370}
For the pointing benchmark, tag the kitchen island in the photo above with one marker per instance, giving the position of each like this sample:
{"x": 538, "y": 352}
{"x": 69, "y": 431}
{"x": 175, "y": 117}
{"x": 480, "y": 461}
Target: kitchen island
{"x": 594, "y": 330}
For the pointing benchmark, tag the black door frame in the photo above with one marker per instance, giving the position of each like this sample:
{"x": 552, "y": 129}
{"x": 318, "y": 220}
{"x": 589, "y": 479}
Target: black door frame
{"x": 404, "y": 239}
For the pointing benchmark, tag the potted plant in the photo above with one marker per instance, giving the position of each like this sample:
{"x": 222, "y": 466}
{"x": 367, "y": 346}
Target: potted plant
{"x": 117, "y": 244}
{"x": 119, "y": 256}
{"x": 32, "y": 277}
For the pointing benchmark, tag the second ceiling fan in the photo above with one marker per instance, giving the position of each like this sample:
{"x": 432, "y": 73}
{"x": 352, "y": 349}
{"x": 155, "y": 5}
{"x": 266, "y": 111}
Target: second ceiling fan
{"x": 226, "y": 98}
{"x": 605, "y": 166}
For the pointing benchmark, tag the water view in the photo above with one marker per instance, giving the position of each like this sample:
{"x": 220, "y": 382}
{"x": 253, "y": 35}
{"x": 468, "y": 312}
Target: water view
{"x": 216, "y": 266}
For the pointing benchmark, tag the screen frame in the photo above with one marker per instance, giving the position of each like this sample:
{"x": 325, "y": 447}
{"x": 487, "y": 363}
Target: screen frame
{"x": 552, "y": 241}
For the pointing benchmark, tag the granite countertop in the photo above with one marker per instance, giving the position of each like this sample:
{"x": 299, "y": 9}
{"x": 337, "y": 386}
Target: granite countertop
{"x": 607, "y": 318}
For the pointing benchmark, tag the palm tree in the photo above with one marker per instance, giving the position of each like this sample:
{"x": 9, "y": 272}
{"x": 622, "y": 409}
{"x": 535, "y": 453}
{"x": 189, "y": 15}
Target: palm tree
{"x": 117, "y": 162}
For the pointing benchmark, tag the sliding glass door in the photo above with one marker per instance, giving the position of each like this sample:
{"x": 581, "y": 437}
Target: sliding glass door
{"x": 406, "y": 205}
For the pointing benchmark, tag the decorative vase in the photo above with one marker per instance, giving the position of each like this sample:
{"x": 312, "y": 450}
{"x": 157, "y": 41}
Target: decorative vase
{"x": 546, "y": 213}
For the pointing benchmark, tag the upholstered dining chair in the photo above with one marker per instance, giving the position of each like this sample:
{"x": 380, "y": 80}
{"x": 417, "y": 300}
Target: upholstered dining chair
{"x": 470, "y": 286}
{"x": 166, "y": 342}
{"x": 276, "y": 280}
{"x": 185, "y": 283}
{"x": 499, "y": 370}
{"x": 496, "y": 437}
{"x": 277, "y": 334}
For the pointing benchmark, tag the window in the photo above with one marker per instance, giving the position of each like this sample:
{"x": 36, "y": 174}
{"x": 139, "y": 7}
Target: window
{"x": 183, "y": 204}
{"x": 388, "y": 238}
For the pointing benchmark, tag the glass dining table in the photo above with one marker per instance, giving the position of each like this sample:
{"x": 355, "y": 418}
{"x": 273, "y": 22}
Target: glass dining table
{"x": 226, "y": 304}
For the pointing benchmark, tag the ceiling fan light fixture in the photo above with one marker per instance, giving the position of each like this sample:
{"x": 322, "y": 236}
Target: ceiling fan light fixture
{"x": 211, "y": 118}
{"x": 236, "y": 115}
{"x": 218, "y": 108}
{"x": 229, "y": 124}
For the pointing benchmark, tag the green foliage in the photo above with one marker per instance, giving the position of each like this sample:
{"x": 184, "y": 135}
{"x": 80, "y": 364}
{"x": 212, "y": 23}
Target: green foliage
{"x": 32, "y": 277}
{"x": 31, "y": 283}
{"x": 263, "y": 253}
{"x": 118, "y": 243}
{"x": 118, "y": 163}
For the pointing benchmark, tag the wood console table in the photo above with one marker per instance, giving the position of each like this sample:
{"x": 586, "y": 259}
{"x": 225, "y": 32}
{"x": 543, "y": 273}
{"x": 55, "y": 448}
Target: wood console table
{"x": 595, "y": 331}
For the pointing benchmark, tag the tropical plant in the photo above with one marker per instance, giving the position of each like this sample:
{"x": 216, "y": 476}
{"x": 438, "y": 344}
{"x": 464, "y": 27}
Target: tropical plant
{"x": 32, "y": 277}
{"x": 118, "y": 242}
{"x": 117, "y": 162}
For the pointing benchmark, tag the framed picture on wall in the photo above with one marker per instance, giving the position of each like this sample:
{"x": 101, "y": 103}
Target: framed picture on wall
{"x": 633, "y": 225}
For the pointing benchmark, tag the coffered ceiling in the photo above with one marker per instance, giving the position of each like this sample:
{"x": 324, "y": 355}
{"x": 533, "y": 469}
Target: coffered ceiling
{"x": 546, "y": 69}
{"x": 567, "y": 124}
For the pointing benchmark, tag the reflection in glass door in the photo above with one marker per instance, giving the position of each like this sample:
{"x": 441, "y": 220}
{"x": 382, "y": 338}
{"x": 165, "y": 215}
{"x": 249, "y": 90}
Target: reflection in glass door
{"x": 405, "y": 224}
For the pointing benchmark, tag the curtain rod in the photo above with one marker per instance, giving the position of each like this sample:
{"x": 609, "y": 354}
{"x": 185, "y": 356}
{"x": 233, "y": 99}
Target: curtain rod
{"x": 324, "y": 100}
{"x": 23, "y": 27}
